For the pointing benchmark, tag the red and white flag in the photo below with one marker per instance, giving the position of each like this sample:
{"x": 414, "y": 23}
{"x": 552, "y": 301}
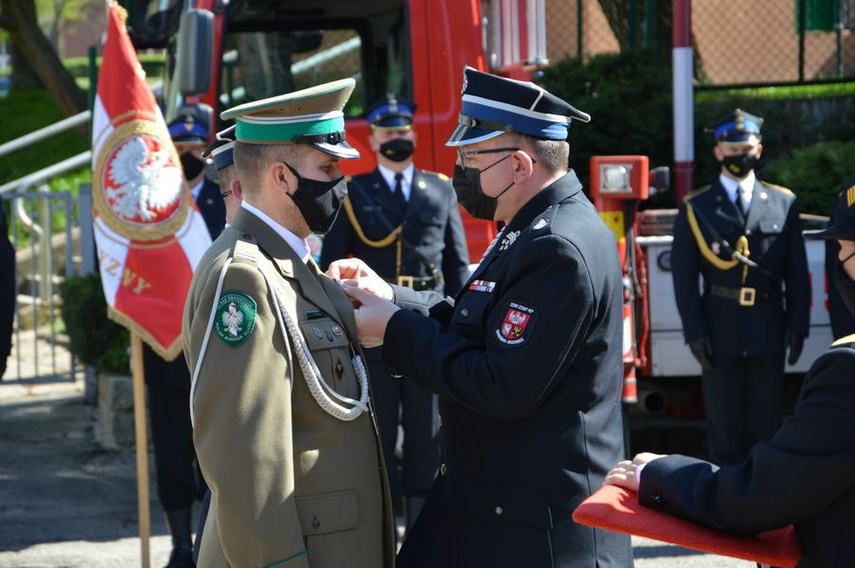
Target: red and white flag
{"x": 148, "y": 231}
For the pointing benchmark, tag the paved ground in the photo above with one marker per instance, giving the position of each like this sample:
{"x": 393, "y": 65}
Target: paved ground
{"x": 64, "y": 502}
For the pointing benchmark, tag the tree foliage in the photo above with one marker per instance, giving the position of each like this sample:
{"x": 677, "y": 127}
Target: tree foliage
{"x": 33, "y": 49}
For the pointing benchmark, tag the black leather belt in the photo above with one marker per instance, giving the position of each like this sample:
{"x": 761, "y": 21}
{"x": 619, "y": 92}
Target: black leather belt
{"x": 745, "y": 296}
{"x": 418, "y": 282}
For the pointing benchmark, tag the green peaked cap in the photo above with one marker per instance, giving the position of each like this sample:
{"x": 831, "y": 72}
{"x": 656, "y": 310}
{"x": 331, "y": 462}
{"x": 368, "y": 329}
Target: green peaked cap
{"x": 310, "y": 116}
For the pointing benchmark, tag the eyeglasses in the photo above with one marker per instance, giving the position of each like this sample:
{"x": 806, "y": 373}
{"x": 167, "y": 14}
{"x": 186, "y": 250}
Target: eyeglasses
{"x": 466, "y": 155}
{"x": 226, "y": 193}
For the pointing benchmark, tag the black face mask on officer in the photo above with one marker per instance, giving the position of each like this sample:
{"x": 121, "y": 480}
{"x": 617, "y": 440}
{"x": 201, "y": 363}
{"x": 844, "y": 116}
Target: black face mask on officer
{"x": 318, "y": 201}
{"x": 740, "y": 165}
{"x": 845, "y": 285}
{"x": 467, "y": 186}
{"x": 191, "y": 165}
{"x": 398, "y": 149}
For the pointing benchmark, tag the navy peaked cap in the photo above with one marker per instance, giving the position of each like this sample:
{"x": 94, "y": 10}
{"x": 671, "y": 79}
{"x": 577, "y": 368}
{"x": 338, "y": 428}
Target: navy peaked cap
{"x": 740, "y": 127}
{"x": 221, "y": 150}
{"x": 493, "y": 105}
{"x": 392, "y": 111}
{"x": 191, "y": 124}
{"x": 842, "y": 225}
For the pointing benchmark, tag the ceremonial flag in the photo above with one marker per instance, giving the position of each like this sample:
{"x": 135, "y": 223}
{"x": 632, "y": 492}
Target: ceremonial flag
{"x": 148, "y": 231}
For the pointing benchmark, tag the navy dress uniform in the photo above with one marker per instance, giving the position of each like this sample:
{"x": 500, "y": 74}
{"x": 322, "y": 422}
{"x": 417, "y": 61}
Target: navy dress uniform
{"x": 803, "y": 475}
{"x": 179, "y": 480}
{"x": 753, "y": 301}
{"x": 410, "y": 235}
{"x": 280, "y": 401}
{"x": 842, "y": 322}
{"x": 527, "y": 364}
{"x": 8, "y": 293}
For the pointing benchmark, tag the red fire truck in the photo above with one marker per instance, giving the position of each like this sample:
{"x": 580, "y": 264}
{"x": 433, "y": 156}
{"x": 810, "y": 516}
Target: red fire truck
{"x": 226, "y": 52}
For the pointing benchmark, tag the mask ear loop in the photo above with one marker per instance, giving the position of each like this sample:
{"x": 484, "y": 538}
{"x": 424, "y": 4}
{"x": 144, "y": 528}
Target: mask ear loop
{"x": 842, "y": 262}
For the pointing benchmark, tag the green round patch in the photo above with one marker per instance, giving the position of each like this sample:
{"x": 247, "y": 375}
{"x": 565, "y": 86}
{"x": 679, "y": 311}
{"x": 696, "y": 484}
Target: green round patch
{"x": 235, "y": 318}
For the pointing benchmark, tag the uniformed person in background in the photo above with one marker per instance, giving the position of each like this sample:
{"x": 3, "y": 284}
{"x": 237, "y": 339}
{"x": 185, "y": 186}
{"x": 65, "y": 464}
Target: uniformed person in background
{"x": 280, "y": 398}
{"x": 404, "y": 223}
{"x": 8, "y": 293}
{"x": 842, "y": 322}
{"x": 221, "y": 152}
{"x": 179, "y": 481}
{"x": 527, "y": 361}
{"x": 805, "y": 475}
{"x": 742, "y": 238}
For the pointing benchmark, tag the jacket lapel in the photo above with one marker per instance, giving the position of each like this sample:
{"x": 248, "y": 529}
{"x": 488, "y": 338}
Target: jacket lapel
{"x": 384, "y": 196}
{"x": 759, "y": 206}
{"x": 417, "y": 195}
{"x": 286, "y": 261}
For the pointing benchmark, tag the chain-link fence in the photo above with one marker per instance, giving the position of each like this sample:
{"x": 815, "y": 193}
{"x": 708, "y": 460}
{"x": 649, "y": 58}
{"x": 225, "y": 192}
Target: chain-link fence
{"x": 736, "y": 42}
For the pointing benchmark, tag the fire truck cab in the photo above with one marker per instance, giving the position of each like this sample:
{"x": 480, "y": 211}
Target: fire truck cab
{"x": 227, "y": 52}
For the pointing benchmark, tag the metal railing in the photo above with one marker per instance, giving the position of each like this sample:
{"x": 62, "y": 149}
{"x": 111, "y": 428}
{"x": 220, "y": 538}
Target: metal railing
{"x": 45, "y": 255}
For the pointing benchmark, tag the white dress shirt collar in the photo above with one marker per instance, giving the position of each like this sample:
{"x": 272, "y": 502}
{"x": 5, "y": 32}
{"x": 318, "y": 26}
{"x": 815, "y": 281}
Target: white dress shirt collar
{"x": 299, "y": 245}
{"x": 406, "y": 182}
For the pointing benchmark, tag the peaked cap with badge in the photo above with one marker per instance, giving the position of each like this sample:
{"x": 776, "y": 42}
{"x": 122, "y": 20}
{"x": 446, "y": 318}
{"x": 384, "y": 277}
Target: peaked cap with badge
{"x": 191, "y": 125}
{"x": 740, "y": 127}
{"x": 493, "y": 105}
{"x": 221, "y": 149}
{"x": 843, "y": 226}
{"x": 310, "y": 116}
{"x": 392, "y": 112}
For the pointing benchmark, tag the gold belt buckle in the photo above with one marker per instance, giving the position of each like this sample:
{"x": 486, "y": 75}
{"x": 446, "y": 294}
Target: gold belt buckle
{"x": 746, "y": 296}
{"x": 405, "y": 281}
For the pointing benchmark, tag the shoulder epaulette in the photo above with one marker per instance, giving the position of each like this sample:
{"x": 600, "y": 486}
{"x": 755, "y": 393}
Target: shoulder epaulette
{"x": 780, "y": 188}
{"x": 693, "y": 194}
{"x": 246, "y": 247}
{"x": 437, "y": 175}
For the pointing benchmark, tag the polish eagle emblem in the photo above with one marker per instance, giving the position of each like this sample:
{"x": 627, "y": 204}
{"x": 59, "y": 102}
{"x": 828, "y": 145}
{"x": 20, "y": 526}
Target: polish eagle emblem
{"x": 144, "y": 181}
{"x": 232, "y": 319}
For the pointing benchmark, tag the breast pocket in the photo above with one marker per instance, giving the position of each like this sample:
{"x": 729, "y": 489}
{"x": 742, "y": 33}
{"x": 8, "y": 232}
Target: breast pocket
{"x": 330, "y": 348}
{"x": 770, "y": 230}
{"x": 471, "y": 309}
{"x": 430, "y": 217}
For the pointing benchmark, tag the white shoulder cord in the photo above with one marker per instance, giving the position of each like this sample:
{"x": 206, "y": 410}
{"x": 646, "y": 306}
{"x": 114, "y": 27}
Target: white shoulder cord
{"x": 205, "y": 341}
{"x": 319, "y": 388}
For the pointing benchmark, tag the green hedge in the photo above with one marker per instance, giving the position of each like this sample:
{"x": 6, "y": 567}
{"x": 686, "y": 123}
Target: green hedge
{"x": 93, "y": 337}
{"x": 152, "y": 64}
{"x": 629, "y": 96}
{"x": 817, "y": 174}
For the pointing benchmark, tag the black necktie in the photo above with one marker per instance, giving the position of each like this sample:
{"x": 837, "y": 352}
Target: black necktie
{"x": 399, "y": 190}
{"x": 740, "y": 204}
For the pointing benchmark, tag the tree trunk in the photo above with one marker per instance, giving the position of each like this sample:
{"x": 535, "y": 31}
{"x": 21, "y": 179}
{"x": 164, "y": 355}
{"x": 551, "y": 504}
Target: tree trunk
{"x": 617, "y": 14}
{"x": 18, "y": 17}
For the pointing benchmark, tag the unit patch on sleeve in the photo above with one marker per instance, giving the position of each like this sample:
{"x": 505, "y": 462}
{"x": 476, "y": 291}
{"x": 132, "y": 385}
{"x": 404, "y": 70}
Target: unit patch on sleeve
{"x": 516, "y": 325}
{"x": 235, "y": 318}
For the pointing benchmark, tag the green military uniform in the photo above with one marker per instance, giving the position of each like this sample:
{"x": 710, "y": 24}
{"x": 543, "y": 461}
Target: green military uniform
{"x": 282, "y": 427}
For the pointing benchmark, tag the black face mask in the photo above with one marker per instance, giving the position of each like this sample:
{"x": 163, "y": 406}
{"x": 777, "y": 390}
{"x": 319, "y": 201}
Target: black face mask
{"x": 845, "y": 285}
{"x": 191, "y": 165}
{"x": 467, "y": 186}
{"x": 318, "y": 201}
{"x": 398, "y": 149}
{"x": 740, "y": 165}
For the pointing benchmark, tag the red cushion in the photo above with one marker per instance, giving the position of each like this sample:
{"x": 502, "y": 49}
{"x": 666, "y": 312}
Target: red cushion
{"x": 617, "y": 509}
